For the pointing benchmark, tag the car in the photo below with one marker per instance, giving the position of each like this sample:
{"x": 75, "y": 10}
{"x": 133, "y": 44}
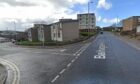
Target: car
{"x": 101, "y": 32}
{"x": 13, "y": 41}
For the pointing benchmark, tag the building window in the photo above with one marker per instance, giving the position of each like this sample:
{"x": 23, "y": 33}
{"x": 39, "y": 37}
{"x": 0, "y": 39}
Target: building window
{"x": 59, "y": 34}
{"x": 54, "y": 35}
{"x": 138, "y": 19}
{"x": 60, "y": 25}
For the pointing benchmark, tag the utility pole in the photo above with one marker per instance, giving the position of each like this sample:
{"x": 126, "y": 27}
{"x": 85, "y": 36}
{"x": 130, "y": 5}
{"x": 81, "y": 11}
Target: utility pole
{"x": 43, "y": 32}
{"x": 117, "y": 24}
{"x": 89, "y": 18}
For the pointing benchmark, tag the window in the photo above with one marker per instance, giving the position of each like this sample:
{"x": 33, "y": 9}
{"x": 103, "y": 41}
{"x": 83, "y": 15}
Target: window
{"x": 138, "y": 19}
{"x": 59, "y": 34}
{"x": 54, "y": 35}
{"x": 60, "y": 25}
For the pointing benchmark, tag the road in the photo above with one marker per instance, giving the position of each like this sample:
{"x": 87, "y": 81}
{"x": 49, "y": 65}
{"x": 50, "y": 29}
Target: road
{"x": 105, "y": 60}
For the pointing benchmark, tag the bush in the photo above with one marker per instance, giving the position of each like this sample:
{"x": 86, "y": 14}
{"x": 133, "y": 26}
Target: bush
{"x": 87, "y": 33}
{"x": 28, "y": 43}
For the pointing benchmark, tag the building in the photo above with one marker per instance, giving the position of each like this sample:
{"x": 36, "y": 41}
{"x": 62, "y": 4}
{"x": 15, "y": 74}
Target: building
{"x": 112, "y": 28}
{"x": 131, "y": 23}
{"x": 44, "y": 32}
{"x": 65, "y": 30}
{"x": 87, "y": 22}
{"x": 32, "y": 34}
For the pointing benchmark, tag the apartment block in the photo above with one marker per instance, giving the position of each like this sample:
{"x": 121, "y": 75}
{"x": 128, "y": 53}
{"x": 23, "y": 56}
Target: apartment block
{"x": 65, "y": 30}
{"x": 32, "y": 34}
{"x": 87, "y": 22}
{"x": 44, "y": 32}
{"x": 131, "y": 23}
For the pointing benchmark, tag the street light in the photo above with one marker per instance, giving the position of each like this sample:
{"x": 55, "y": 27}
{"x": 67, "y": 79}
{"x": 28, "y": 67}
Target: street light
{"x": 15, "y": 31}
{"x": 89, "y": 17}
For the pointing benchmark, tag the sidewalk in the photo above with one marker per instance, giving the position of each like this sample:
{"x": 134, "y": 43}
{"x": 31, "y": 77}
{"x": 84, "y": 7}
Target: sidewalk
{"x": 131, "y": 41}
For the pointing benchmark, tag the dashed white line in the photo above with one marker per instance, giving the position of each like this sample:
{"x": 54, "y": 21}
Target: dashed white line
{"x": 62, "y": 71}
{"x": 69, "y": 65}
{"x": 76, "y": 57}
{"x": 72, "y": 60}
{"x": 78, "y": 54}
{"x": 55, "y": 78}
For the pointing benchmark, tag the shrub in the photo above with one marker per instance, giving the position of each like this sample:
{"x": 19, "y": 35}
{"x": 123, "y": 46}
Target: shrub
{"x": 87, "y": 33}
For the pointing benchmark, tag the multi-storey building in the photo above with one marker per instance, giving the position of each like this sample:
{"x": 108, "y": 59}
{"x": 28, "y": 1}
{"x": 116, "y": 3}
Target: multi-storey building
{"x": 32, "y": 34}
{"x": 87, "y": 22}
{"x": 131, "y": 23}
{"x": 44, "y": 32}
{"x": 65, "y": 30}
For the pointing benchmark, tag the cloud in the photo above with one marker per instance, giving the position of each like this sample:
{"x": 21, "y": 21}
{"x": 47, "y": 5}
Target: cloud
{"x": 99, "y": 18}
{"x": 104, "y": 4}
{"x": 110, "y": 21}
{"x": 16, "y": 3}
{"x": 27, "y": 12}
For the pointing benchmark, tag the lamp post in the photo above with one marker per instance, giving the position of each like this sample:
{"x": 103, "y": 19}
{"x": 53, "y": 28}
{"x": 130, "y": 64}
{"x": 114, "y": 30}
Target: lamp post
{"x": 15, "y": 31}
{"x": 88, "y": 18}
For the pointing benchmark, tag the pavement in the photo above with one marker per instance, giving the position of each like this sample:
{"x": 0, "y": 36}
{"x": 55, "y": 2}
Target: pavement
{"x": 106, "y": 60}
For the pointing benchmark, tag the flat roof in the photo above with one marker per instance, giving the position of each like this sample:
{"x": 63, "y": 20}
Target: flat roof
{"x": 87, "y": 14}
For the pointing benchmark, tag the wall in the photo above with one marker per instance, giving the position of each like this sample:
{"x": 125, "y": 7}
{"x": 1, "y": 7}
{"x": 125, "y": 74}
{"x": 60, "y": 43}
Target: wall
{"x": 32, "y": 34}
{"x": 70, "y": 30}
{"x": 130, "y": 23}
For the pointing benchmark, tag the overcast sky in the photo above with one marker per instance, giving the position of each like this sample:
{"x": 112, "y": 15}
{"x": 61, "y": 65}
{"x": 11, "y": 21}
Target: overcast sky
{"x": 27, "y": 12}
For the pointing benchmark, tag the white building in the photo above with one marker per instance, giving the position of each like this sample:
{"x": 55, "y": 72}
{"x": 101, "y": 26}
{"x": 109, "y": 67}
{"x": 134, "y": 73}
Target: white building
{"x": 44, "y": 32}
{"x": 87, "y": 21}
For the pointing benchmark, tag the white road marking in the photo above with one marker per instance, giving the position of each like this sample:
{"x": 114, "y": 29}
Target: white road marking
{"x": 101, "y": 52}
{"x": 73, "y": 60}
{"x": 69, "y": 65}
{"x": 14, "y": 68}
{"x": 62, "y": 54}
{"x": 78, "y": 54}
{"x": 62, "y": 71}
{"x": 62, "y": 50}
{"x": 55, "y": 78}
{"x": 81, "y": 50}
{"x": 78, "y": 51}
{"x": 76, "y": 57}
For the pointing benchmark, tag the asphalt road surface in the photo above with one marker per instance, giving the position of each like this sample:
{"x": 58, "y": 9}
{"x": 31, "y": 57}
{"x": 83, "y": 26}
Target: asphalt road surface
{"x": 107, "y": 60}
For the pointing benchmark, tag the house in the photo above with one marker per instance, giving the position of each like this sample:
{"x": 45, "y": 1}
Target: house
{"x": 131, "y": 23}
{"x": 44, "y": 32}
{"x": 65, "y": 30}
{"x": 32, "y": 34}
{"x": 87, "y": 22}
